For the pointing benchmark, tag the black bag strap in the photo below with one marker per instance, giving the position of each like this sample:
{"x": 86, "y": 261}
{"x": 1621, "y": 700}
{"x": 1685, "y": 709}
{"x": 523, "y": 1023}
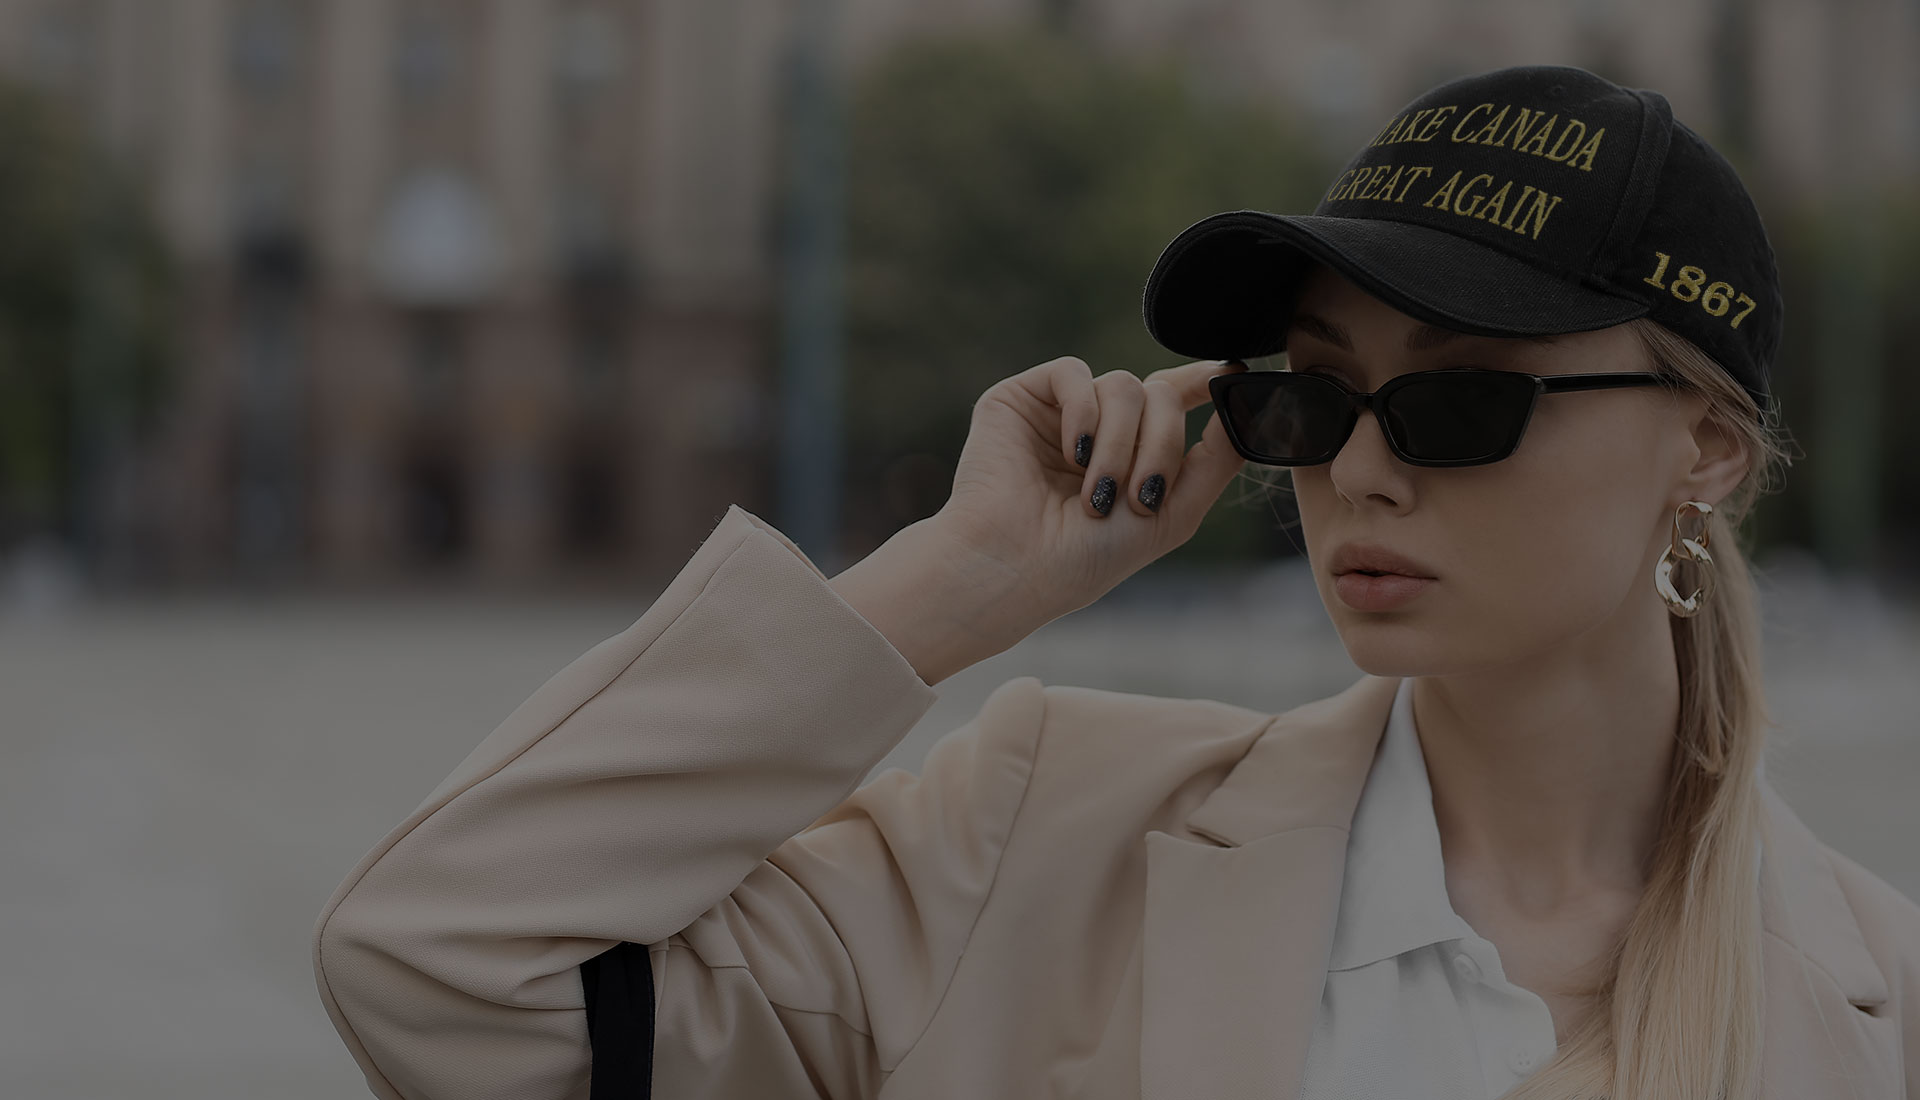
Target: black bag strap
{"x": 619, "y": 989}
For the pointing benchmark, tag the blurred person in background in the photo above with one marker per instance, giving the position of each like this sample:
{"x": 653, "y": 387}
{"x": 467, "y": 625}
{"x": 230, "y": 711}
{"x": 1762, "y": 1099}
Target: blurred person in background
{"x": 1531, "y": 852}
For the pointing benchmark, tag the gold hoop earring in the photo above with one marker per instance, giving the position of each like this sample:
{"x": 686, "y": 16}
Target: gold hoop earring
{"x": 1689, "y": 549}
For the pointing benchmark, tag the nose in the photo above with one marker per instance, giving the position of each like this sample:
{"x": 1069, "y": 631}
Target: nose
{"x": 1366, "y": 465}
{"x": 1366, "y": 439}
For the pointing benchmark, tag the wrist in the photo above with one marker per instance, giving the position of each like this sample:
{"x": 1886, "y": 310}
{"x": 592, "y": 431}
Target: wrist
{"x": 940, "y": 609}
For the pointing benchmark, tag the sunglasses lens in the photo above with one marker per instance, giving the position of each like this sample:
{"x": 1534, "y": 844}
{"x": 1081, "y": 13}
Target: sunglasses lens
{"x": 1296, "y": 419}
{"x": 1464, "y": 417}
{"x": 1287, "y": 419}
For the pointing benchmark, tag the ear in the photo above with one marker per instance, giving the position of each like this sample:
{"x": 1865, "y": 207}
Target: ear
{"x": 1721, "y": 460}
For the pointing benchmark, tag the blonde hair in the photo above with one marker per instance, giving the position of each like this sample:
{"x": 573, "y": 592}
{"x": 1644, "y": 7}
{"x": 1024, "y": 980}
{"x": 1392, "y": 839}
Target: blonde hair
{"x": 1679, "y": 1014}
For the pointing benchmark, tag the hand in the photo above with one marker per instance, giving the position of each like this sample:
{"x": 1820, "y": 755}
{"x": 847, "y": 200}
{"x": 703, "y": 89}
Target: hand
{"x": 1022, "y": 538}
{"x": 1024, "y": 509}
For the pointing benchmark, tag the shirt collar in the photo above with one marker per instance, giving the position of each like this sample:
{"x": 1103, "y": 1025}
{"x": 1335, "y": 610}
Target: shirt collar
{"x": 1393, "y": 897}
{"x": 1308, "y": 765}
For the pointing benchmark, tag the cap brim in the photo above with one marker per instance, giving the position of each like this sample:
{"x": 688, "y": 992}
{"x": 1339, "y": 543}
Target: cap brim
{"x": 1223, "y": 288}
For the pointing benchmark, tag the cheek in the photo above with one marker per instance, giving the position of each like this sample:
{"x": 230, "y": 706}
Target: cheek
{"x": 1548, "y": 549}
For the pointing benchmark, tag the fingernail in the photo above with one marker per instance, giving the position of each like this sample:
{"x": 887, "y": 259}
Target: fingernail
{"x": 1083, "y": 449}
{"x": 1103, "y": 491}
{"x": 1151, "y": 490}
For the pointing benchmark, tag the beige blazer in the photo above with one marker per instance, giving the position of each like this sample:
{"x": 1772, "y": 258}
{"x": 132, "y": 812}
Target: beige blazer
{"x": 1084, "y": 893}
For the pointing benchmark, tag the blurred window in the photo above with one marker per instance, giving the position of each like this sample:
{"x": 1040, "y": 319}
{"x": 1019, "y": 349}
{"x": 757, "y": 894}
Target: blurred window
{"x": 435, "y": 351}
{"x": 263, "y": 191}
{"x": 590, "y": 501}
{"x": 591, "y": 140}
{"x": 61, "y": 44}
{"x": 1342, "y": 76}
{"x": 438, "y": 241}
{"x": 582, "y": 218}
{"x": 268, "y": 445}
{"x": 1059, "y": 15}
{"x": 428, "y": 54}
{"x": 266, "y": 44}
{"x": 268, "y": 347}
{"x": 597, "y": 350}
{"x": 586, "y": 48}
{"x": 434, "y": 504}
{"x": 1594, "y": 12}
{"x": 732, "y": 413}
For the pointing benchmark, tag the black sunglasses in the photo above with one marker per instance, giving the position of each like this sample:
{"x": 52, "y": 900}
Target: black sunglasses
{"x": 1459, "y": 416}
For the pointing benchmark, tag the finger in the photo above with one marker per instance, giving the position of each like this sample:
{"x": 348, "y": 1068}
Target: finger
{"x": 1120, "y": 396}
{"x": 1190, "y": 380}
{"x": 1067, "y": 383}
{"x": 1203, "y": 475}
{"x": 1163, "y": 432}
{"x": 1070, "y": 384}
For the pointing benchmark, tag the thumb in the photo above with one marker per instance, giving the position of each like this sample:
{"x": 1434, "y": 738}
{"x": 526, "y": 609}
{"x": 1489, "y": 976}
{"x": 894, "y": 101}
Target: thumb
{"x": 1209, "y": 465}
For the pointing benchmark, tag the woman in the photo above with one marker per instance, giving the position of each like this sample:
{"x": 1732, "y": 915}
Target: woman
{"x": 1530, "y": 853}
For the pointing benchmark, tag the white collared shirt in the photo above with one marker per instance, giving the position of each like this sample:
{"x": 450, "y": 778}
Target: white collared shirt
{"x": 1416, "y": 1002}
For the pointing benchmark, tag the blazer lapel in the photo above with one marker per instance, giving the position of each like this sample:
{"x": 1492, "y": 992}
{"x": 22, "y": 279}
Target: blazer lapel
{"x": 1241, "y": 906}
{"x": 1238, "y": 937}
{"x": 1827, "y": 1032}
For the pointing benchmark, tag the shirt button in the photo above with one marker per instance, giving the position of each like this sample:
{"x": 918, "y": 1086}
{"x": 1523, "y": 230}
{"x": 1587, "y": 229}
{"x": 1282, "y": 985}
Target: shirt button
{"x": 1468, "y": 969}
{"x": 1522, "y": 1060}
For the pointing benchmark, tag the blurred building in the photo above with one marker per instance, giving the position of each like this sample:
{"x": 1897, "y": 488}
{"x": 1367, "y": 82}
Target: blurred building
{"x": 489, "y": 284}
{"x": 1811, "y": 96}
{"x": 479, "y": 285}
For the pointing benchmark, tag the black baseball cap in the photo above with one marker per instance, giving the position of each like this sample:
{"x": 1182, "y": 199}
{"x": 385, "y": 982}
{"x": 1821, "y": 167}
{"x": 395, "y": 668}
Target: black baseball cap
{"x": 1527, "y": 201}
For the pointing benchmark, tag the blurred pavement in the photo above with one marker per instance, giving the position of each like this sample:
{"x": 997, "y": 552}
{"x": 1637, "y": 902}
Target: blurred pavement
{"x": 186, "y": 782}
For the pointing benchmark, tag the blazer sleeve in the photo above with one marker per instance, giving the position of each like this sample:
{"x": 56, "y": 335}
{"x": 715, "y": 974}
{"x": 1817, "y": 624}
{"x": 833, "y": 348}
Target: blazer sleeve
{"x": 687, "y": 786}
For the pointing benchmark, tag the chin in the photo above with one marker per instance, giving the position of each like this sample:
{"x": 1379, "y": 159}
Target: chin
{"x": 1392, "y": 666}
{"x": 1381, "y": 645}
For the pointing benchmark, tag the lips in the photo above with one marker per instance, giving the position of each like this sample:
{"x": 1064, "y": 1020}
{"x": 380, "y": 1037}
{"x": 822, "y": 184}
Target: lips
{"x": 1386, "y": 592}
{"x": 1375, "y": 560}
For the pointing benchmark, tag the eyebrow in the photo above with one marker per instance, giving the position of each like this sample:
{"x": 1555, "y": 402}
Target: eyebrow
{"x": 1423, "y": 338}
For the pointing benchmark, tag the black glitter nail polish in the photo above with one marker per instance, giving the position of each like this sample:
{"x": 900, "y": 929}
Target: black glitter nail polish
{"x": 1083, "y": 449}
{"x": 1103, "y": 491}
{"x": 1151, "y": 490}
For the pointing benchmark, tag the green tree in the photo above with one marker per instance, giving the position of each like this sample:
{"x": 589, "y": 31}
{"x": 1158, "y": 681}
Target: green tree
{"x": 84, "y": 313}
{"x": 1811, "y": 371}
{"x": 1007, "y": 198}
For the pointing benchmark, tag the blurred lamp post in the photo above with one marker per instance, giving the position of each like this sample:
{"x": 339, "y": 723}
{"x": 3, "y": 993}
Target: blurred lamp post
{"x": 812, "y": 241}
{"x": 96, "y": 426}
{"x": 1850, "y": 305}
